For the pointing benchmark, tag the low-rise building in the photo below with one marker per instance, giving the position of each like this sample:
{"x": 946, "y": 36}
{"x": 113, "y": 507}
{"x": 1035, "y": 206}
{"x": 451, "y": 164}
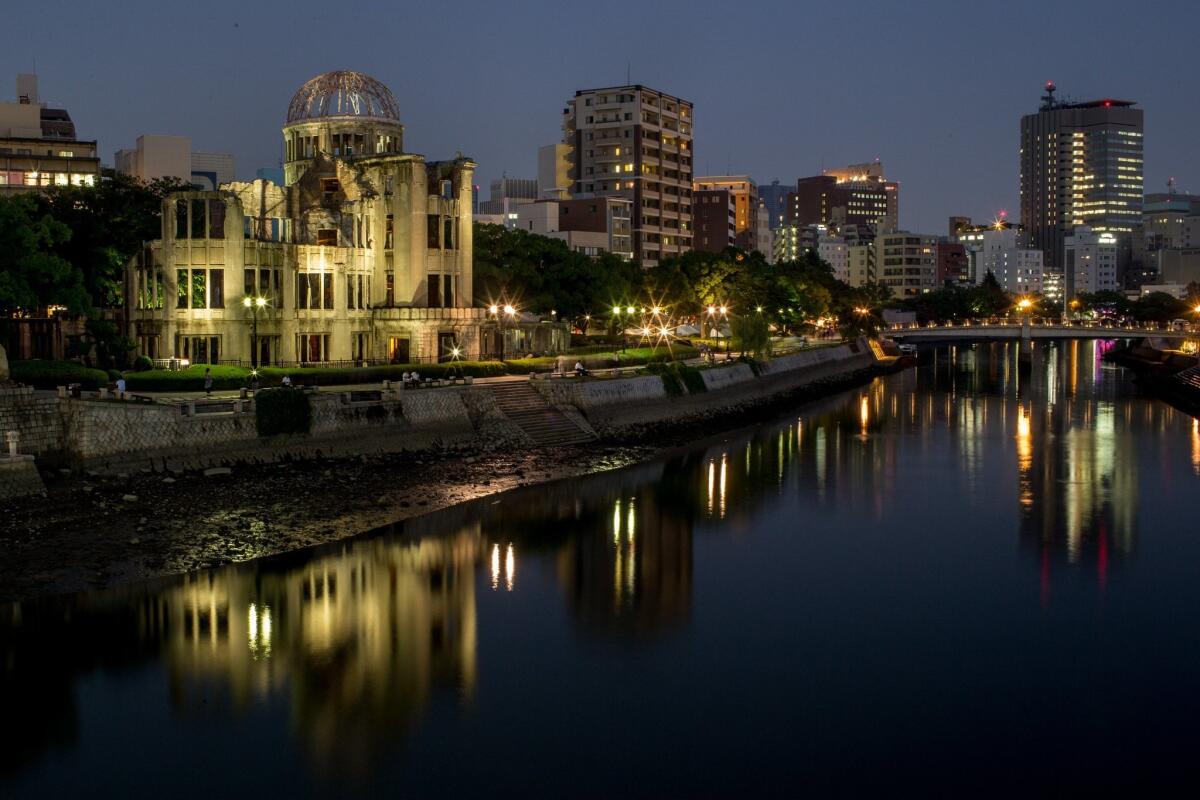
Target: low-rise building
{"x": 588, "y": 225}
{"x": 906, "y": 262}
{"x": 39, "y": 147}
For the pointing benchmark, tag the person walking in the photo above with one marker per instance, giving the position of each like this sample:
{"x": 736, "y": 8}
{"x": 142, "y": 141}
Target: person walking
{"x": 208, "y": 382}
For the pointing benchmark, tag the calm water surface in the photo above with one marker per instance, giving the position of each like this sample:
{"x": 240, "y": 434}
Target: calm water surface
{"x": 980, "y": 575}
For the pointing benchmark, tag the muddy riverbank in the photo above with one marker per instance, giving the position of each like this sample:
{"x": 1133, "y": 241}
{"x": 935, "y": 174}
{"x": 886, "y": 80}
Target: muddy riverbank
{"x": 93, "y": 530}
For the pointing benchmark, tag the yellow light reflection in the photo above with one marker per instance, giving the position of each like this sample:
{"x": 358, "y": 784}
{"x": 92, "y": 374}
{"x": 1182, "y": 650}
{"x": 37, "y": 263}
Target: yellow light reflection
{"x": 510, "y": 568}
{"x": 1196, "y": 446}
{"x": 495, "y": 566}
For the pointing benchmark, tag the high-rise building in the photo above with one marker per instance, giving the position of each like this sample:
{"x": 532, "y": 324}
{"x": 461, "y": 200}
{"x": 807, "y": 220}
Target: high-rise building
{"x": 774, "y": 198}
{"x": 1090, "y": 261}
{"x": 635, "y": 142}
{"x": 907, "y": 262}
{"x": 744, "y": 194}
{"x": 172, "y": 157}
{"x": 38, "y": 147}
{"x": 854, "y": 195}
{"x": 1081, "y": 164}
{"x": 714, "y": 218}
{"x": 763, "y": 240}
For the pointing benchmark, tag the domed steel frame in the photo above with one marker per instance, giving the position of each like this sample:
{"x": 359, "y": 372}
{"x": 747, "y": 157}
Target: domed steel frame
{"x": 343, "y": 93}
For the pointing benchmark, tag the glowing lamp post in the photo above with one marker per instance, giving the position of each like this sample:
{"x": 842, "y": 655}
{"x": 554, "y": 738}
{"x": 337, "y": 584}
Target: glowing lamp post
{"x": 255, "y": 304}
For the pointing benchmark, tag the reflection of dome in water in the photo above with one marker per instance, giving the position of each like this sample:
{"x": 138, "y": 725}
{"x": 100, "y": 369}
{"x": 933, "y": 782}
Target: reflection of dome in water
{"x": 343, "y": 94}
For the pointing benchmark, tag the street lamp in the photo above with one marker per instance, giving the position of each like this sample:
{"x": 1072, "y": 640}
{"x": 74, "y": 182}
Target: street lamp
{"x": 255, "y": 304}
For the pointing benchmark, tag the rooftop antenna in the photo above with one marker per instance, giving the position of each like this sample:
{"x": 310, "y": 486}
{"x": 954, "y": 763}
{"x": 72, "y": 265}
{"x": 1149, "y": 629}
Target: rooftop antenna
{"x": 1171, "y": 185}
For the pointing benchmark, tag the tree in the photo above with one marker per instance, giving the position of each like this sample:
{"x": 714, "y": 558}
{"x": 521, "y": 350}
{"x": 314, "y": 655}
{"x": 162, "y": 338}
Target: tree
{"x": 541, "y": 274}
{"x": 32, "y": 274}
{"x": 751, "y": 334}
{"x": 108, "y": 223}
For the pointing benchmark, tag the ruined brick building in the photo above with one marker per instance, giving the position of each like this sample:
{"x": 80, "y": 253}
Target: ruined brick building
{"x": 364, "y": 254}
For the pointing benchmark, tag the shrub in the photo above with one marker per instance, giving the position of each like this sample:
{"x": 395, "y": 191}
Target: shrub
{"x": 42, "y": 374}
{"x": 113, "y": 374}
{"x": 692, "y": 378}
{"x": 142, "y": 363}
{"x": 282, "y": 410}
{"x": 186, "y": 380}
{"x": 676, "y": 377}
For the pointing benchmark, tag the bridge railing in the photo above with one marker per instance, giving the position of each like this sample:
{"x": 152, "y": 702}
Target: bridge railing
{"x": 1042, "y": 322}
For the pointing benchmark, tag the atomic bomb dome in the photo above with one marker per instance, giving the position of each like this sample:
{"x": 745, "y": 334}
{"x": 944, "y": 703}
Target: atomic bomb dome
{"x": 342, "y": 93}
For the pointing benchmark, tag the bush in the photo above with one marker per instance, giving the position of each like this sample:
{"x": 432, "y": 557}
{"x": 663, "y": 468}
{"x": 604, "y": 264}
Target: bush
{"x": 42, "y": 374}
{"x": 228, "y": 377}
{"x": 114, "y": 375}
{"x": 186, "y": 380}
{"x": 142, "y": 363}
{"x": 676, "y": 377}
{"x": 323, "y": 376}
{"x": 282, "y": 410}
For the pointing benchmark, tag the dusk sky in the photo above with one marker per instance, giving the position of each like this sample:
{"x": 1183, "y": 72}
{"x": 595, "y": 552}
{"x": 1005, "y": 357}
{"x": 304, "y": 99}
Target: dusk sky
{"x": 934, "y": 89}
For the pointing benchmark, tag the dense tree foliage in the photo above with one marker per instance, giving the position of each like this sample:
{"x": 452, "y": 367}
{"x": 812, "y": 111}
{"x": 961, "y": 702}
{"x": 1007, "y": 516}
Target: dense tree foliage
{"x": 541, "y": 274}
{"x": 32, "y": 273}
{"x": 108, "y": 223}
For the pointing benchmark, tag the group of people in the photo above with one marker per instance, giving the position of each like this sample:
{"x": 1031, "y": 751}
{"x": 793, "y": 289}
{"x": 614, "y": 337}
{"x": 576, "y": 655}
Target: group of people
{"x": 410, "y": 377}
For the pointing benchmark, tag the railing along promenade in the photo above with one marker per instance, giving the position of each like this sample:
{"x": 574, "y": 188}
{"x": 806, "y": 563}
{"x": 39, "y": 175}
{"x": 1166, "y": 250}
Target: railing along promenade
{"x": 1035, "y": 328}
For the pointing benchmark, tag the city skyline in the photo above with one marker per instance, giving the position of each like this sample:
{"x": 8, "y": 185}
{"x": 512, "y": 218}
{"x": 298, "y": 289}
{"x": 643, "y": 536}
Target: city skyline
{"x": 942, "y": 118}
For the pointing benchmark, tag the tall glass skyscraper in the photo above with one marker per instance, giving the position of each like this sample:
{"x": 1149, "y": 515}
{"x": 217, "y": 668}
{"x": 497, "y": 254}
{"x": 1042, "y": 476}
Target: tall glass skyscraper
{"x": 1081, "y": 164}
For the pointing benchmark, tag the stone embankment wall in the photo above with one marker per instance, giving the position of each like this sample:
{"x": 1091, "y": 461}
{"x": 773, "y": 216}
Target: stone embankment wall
{"x": 113, "y": 436}
{"x": 620, "y": 405}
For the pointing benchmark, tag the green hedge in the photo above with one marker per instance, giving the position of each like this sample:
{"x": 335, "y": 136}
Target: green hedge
{"x": 49, "y": 374}
{"x": 282, "y": 410}
{"x": 228, "y": 377}
{"x": 603, "y": 358}
{"x": 186, "y": 380}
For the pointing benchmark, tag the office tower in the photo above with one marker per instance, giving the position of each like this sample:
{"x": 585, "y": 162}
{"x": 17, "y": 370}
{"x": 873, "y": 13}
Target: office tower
{"x": 856, "y": 195}
{"x": 635, "y": 142}
{"x": 744, "y": 194}
{"x": 1081, "y": 164}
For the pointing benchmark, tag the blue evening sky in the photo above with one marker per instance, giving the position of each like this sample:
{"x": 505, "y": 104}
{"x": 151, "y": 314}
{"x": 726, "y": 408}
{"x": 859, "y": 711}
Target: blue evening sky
{"x": 935, "y": 89}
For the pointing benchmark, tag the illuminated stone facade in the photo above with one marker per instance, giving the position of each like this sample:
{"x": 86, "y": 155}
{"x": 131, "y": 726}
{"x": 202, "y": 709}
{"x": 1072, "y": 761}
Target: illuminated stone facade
{"x": 364, "y": 254}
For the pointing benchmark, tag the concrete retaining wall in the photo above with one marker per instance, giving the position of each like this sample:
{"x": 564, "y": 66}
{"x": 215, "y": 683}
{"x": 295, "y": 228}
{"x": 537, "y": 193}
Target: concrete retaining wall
{"x": 19, "y": 478}
{"x": 620, "y": 405}
{"x": 37, "y": 418}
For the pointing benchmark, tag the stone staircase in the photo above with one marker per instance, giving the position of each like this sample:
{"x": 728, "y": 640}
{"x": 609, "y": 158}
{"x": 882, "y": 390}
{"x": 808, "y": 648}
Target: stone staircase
{"x": 530, "y": 412}
{"x": 1190, "y": 377}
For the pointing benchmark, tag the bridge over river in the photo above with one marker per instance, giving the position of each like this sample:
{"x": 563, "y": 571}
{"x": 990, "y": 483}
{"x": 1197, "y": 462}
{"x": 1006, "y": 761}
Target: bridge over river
{"x": 1031, "y": 329}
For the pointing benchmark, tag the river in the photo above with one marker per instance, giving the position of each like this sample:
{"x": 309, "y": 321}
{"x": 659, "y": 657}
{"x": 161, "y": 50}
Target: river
{"x": 979, "y": 576}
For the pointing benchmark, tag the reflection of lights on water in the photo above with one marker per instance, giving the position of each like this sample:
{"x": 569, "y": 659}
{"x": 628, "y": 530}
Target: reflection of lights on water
{"x": 1024, "y": 458}
{"x": 712, "y": 481}
{"x": 495, "y": 566}
{"x": 1196, "y": 446}
{"x": 258, "y": 629}
{"x": 510, "y": 567}
{"x": 724, "y": 470}
{"x": 864, "y": 414}
{"x": 616, "y": 526}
